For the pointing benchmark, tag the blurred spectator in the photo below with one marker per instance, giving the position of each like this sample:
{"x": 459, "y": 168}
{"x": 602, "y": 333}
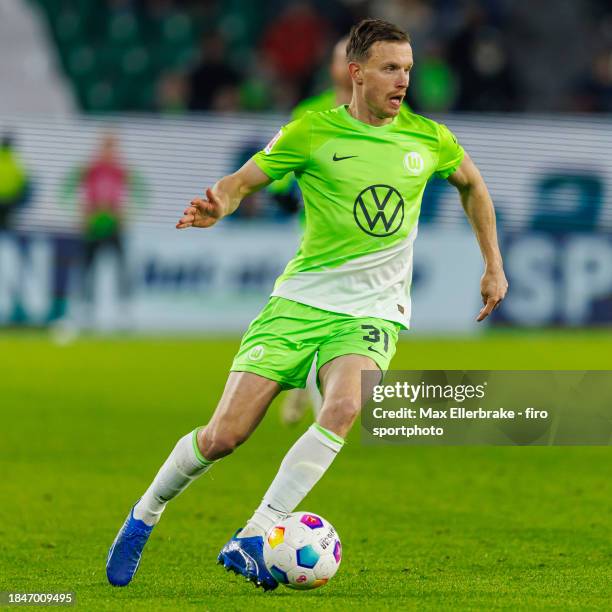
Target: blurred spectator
{"x": 104, "y": 187}
{"x": 433, "y": 85}
{"x": 14, "y": 182}
{"x": 214, "y": 84}
{"x": 594, "y": 93}
{"x": 172, "y": 93}
{"x": 481, "y": 61}
{"x": 295, "y": 44}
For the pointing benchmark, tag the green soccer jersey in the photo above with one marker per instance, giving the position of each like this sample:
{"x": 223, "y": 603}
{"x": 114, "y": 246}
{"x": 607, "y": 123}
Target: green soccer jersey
{"x": 326, "y": 100}
{"x": 362, "y": 187}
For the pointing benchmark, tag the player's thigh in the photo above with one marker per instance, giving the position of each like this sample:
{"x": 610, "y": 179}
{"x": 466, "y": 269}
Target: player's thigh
{"x": 243, "y": 404}
{"x": 365, "y": 336}
{"x": 345, "y": 390}
{"x": 355, "y": 346}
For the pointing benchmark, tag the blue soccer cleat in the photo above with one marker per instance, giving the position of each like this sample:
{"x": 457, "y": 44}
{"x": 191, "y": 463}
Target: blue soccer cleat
{"x": 244, "y": 556}
{"x": 125, "y": 552}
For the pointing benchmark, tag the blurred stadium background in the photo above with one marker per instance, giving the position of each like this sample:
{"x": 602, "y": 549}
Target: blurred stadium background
{"x": 169, "y": 95}
{"x": 115, "y": 113}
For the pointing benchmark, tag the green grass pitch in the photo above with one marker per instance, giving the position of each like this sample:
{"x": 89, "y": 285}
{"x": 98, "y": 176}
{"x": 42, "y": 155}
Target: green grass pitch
{"x": 85, "y": 427}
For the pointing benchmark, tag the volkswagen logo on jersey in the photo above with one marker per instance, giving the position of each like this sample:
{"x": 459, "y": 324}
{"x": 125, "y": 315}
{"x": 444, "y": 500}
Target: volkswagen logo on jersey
{"x": 379, "y": 210}
{"x": 414, "y": 163}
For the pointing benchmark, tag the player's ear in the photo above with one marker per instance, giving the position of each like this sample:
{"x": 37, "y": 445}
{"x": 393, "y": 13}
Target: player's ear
{"x": 356, "y": 72}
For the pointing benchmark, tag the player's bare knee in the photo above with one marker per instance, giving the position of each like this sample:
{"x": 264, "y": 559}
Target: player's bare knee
{"x": 216, "y": 444}
{"x": 342, "y": 410}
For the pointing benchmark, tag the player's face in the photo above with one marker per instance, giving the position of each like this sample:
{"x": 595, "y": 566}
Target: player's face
{"x": 385, "y": 77}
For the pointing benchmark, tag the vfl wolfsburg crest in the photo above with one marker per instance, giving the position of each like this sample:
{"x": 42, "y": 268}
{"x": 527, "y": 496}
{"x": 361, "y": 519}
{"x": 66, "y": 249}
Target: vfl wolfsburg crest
{"x": 256, "y": 353}
{"x": 414, "y": 163}
{"x": 379, "y": 210}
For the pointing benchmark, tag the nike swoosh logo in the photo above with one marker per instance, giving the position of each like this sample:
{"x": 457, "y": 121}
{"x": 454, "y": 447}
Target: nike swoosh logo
{"x": 336, "y": 158}
{"x": 375, "y": 351}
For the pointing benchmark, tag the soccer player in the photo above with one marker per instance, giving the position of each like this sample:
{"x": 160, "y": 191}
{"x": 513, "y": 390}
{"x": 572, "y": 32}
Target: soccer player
{"x": 362, "y": 169}
{"x": 296, "y": 401}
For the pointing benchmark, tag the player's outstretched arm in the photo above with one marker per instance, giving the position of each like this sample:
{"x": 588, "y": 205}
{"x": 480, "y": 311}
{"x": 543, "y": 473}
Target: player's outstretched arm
{"x": 224, "y": 197}
{"x": 479, "y": 209}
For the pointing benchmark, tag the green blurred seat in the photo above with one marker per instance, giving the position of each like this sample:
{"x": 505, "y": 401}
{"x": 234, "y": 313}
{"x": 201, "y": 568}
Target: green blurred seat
{"x": 135, "y": 61}
{"x": 133, "y": 94}
{"x": 81, "y": 61}
{"x": 101, "y": 96}
{"x": 171, "y": 57}
{"x": 70, "y": 27}
{"x": 178, "y": 29}
{"x": 109, "y": 59}
{"x": 123, "y": 29}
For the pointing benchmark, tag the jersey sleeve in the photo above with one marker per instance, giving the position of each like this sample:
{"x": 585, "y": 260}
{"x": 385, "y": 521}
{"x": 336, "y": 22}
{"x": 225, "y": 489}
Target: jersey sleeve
{"x": 450, "y": 153}
{"x": 288, "y": 151}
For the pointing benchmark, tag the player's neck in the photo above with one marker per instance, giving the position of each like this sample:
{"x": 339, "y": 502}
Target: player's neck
{"x": 359, "y": 110}
{"x": 343, "y": 95}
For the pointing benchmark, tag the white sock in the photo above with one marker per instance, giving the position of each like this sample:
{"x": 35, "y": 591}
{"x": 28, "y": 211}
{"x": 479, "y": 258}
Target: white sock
{"x": 184, "y": 465}
{"x": 302, "y": 467}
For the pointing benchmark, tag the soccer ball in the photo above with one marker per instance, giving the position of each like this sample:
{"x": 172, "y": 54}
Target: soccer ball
{"x": 302, "y": 551}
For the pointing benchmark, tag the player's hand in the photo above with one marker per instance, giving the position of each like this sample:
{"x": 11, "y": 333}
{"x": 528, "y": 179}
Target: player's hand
{"x": 202, "y": 212}
{"x": 493, "y": 288}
